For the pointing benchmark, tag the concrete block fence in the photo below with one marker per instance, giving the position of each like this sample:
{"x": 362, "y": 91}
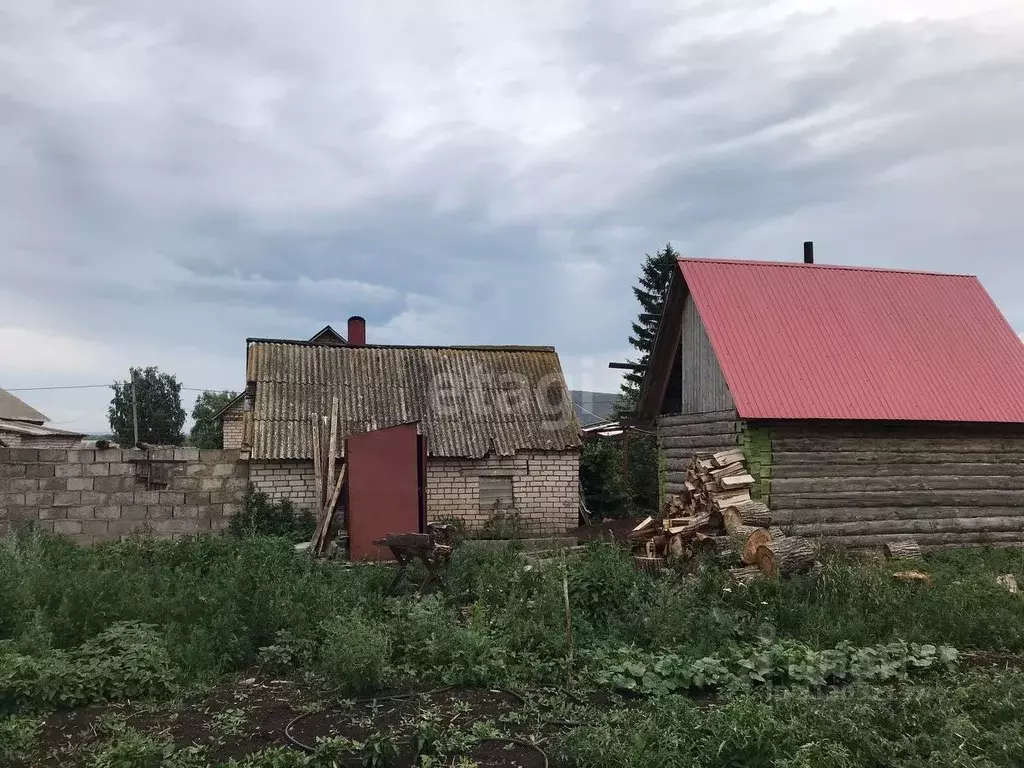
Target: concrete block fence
{"x": 105, "y": 495}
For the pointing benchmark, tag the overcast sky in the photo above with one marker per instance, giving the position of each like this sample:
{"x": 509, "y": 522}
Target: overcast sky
{"x": 175, "y": 177}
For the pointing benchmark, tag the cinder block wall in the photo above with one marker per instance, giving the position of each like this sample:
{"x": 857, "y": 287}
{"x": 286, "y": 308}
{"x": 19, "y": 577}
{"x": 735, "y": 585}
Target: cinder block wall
{"x": 102, "y": 495}
{"x": 294, "y": 480}
{"x": 545, "y": 487}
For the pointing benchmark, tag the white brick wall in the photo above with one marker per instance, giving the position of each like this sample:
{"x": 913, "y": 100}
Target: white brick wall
{"x": 545, "y": 485}
{"x": 233, "y": 431}
{"x": 293, "y": 480}
{"x": 16, "y": 440}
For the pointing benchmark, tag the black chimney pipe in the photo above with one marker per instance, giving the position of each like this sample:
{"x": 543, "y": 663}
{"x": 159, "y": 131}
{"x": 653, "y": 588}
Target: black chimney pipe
{"x": 808, "y": 252}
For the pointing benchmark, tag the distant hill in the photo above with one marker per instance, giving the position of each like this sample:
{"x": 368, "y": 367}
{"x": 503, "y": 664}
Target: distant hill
{"x": 593, "y": 407}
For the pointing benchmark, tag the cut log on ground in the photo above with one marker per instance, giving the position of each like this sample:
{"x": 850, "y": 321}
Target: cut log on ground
{"x": 745, "y": 575}
{"x": 650, "y": 564}
{"x": 902, "y": 550}
{"x": 674, "y": 549}
{"x": 745, "y": 540}
{"x": 790, "y": 555}
{"x": 748, "y": 513}
{"x": 912, "y": 576}
{"x": 776, "y": 533}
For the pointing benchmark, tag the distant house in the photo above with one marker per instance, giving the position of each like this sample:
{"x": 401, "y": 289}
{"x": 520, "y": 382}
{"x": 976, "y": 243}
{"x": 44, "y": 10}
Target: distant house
{"x": 871, "y": 404}
{"x": 22, "y": 426}
{"x": 593, "y": 407}
{"x": 498, "y": 421}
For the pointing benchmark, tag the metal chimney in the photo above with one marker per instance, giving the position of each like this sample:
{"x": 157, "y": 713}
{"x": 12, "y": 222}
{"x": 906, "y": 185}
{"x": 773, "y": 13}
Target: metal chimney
{"x": 808, "y": 252}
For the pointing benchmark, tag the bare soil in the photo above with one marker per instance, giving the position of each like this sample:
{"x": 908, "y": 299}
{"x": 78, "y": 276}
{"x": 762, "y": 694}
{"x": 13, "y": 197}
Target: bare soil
{"x": 606, "y": 530}
{"x": 247, "y": 715}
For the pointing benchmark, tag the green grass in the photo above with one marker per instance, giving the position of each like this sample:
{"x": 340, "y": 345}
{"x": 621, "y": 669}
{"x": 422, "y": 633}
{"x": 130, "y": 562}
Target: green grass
{"x": 147, "y": 618}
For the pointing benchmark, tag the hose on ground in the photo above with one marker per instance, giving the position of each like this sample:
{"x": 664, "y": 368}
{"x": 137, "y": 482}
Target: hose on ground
{"x": 398, "y": 697}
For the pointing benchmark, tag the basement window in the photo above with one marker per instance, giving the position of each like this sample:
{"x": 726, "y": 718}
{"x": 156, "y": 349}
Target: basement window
{"x": 496, "y": 493}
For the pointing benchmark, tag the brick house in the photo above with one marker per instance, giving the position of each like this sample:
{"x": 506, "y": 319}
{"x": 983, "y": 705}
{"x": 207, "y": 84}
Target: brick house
{"x": 500, "y": 427}
{"x": 22, "y": 426}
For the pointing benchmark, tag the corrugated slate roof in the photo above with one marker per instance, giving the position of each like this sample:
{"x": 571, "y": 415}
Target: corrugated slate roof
{"x": 469, "y": 400}
{"x": 15, "y": 409}
{"x": 800, "y": 341}
{"x": 35, "y": 430}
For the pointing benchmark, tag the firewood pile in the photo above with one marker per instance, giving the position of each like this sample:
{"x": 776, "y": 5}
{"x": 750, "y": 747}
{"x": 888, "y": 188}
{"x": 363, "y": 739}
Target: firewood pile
{"x": 715, "y": 517}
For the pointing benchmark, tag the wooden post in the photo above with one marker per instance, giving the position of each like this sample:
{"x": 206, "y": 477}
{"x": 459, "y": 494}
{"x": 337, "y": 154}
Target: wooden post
{"x": 318, "y": 472}
{"x": 332, "y": 448}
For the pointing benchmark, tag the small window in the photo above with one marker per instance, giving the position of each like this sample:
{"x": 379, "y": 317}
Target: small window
{"x": 496, "y": 493}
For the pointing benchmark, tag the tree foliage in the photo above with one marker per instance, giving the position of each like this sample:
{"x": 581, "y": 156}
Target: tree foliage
{"x": 621, "y": 477}
{"x": 208, "y": 432}
{"x": 650, "y": 291}
{"x": 161, "y": 416}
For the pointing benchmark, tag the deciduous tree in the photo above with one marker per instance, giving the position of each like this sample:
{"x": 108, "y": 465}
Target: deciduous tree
{"x": 160, "y": 414}
{"x": 207, "y": 432}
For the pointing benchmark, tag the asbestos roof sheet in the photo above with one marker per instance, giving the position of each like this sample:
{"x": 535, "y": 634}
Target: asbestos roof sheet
{"x": 802, "y": 341}
{"x": 469, "y": 400}
{"x": 35, "y": 430}
{"x": 16, "y": 409}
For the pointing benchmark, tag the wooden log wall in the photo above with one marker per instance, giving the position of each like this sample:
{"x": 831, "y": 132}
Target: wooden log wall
{"x": 682, "y": 435}
{"x": 856, "y": 487}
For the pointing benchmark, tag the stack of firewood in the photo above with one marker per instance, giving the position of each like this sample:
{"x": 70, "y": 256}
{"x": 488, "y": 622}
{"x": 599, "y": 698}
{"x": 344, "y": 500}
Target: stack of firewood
{"x": 715, "y": 516}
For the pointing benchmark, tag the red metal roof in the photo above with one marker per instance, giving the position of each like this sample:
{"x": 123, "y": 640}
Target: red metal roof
{"x": 800, "y": 341}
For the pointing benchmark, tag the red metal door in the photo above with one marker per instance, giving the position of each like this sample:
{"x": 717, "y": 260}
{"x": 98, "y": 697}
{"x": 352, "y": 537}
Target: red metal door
{"x": 384, "y": 488}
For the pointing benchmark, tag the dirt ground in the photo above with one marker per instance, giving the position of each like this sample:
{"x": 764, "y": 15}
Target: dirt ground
{"x": 606, "y": 530}
{"x": 494, "y": 728}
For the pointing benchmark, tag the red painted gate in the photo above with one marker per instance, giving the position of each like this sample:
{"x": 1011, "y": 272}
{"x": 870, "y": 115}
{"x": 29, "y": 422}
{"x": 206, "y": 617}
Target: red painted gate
{"x": 386, "y": 488}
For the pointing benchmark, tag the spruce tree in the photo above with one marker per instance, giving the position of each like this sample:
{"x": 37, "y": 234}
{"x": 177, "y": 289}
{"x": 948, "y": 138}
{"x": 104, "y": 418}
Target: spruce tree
{"x": 651, "y": 290}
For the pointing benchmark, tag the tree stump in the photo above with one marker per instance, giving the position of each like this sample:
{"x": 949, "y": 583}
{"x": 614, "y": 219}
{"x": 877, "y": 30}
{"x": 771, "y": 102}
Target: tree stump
{"x": 745, "y": 575}
{"x": 745, "y": 540}
{"x": 905, "y": 550}
{"x": 790, "y": 555}
{"x": 752, "y": 513}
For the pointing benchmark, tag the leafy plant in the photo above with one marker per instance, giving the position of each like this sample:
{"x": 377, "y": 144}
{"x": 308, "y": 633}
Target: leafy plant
{"x": 780, "y": 663}
{"x": 17, "y": 736}
{"x": 503, "y": 524}
{"x": 353, "y": 653}
{"x": 262, "y": 517}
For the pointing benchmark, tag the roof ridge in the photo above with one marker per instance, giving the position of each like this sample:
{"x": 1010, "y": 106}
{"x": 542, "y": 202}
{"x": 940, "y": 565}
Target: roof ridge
{"x": 480, "y": 347}
{"x": 843, "y": 267}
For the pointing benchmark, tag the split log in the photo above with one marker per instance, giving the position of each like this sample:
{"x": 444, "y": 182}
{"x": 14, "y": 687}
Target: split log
{"x": 745, "y": 541}
{"x": 747, "y": 513}
{"x": 1008, "y": 582}
{"x": 645, "y": 523}
{"x": 790, "y": 555}
{"x": 727, "y": 499}
{"x": 732, "y": 482}
{"x": 724, "y": 458}
{"x": 745, "y": 575}
{"x": 731, "y": 470}
{"x": 906, "y": 549}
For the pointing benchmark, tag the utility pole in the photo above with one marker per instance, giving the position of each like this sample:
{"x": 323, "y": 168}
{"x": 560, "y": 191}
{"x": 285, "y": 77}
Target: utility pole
{"x": 135, "y": 408}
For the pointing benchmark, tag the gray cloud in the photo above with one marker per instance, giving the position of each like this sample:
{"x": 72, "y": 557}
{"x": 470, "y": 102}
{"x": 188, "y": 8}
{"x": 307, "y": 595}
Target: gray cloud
{"x": 175, "y": 179}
